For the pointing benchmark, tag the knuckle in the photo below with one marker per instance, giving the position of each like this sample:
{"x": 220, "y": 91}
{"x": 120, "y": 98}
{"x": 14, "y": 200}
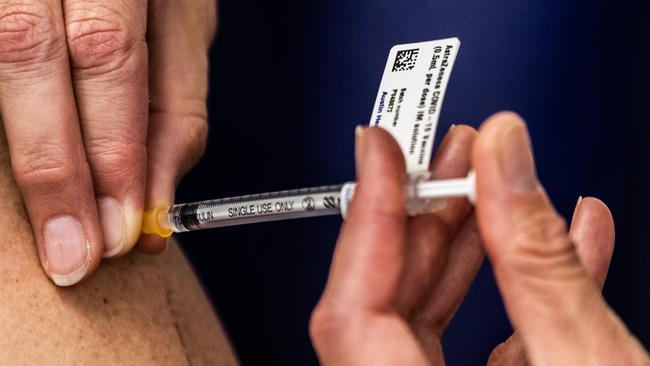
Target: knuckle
{"x": 100, "y": 37}
{"x": 43, "y": 171}
{"x": 29, "y": 32}
{"x": 497, "y": 356}
{"x": 326, "y": 325}
{"x": 540, "y": 242}
{"x": 197, "y": 130}
{"x": 117, "y": 157}
{"x": 543, "y": 227}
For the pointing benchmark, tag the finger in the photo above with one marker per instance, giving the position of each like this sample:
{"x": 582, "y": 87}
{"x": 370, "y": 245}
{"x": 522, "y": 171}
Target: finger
{"x": 454, "y": 161}
{"x": 455, "y": 253}
{"x": 358, "y": 305}
{"x": 179, "y": 36}
{"x": 549, "y": 296}
{"x": 369, "y": 256}
{"x": 108, "y": 55}
{"x": 47, "y": 155}
{"x": 463, "y": 263}
{"x": 430, "y": 236}
{"x": 592, "y": 230}
{"x": 509, "y": 353}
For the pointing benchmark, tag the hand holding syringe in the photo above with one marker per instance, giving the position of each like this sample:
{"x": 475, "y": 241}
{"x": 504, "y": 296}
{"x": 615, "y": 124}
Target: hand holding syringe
{"x": 422, "y": 196}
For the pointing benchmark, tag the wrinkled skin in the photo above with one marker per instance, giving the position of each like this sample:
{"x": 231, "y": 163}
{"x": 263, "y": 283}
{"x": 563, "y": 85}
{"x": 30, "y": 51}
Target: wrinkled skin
{"x": 103, "y": 103}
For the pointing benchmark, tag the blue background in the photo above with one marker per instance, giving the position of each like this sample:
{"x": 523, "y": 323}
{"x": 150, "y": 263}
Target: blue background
{"x": 290, "y": 80}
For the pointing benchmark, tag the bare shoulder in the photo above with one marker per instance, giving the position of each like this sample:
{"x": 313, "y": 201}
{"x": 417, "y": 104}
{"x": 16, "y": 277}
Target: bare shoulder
{"x": 134, "y": 310}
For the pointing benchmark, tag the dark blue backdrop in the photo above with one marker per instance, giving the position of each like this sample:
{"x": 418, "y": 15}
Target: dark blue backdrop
{"x": 290, "y": 81}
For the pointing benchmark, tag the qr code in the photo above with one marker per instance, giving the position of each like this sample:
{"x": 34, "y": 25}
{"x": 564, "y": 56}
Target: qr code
{"x": 406, "y": 60}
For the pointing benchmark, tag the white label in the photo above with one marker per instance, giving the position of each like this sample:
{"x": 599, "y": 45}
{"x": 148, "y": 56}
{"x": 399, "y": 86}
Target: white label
{"x": 411, "y": 94}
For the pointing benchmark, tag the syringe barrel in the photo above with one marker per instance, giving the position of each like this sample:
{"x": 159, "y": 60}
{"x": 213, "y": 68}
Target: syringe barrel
{"x": 421, "y": 197}
{"x": 283, "y": 205}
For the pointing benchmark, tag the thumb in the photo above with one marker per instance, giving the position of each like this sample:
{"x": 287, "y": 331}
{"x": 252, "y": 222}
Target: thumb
{"x": 551, "y": 300}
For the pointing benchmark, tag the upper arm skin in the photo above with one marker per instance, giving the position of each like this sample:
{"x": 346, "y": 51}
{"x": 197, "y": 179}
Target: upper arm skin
{"x": 135, "y": 310}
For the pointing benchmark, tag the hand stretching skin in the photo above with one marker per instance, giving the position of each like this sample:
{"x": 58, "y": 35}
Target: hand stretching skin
{"x": 396, "y": 282}
{"x": 103, "y": 105}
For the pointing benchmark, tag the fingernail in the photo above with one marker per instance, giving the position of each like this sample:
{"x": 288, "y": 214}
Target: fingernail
{"x": 578, "y": 203}
{"x": 66, "y": 250}
{"x": 358, "y": 146}
{"x": 358, "y": 131}
{"x": 113, "y": 222}
{"x": 517, "y": 165}
{"x": 576, "y": 209}
{"x": 446, "y": 139}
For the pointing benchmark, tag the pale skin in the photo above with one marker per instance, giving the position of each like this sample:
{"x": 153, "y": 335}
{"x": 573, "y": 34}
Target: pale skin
{"x": 103, "y": 103}
{"x": 396, "y": 282}
{"x": 139, "y": 310}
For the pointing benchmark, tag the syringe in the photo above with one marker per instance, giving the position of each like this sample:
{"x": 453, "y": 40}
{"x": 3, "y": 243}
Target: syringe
{"x": 422, "y": 196}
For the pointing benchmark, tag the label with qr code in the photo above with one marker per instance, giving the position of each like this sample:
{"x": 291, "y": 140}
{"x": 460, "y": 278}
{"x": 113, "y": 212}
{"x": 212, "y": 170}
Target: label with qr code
{"x": 411, "y": 94}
